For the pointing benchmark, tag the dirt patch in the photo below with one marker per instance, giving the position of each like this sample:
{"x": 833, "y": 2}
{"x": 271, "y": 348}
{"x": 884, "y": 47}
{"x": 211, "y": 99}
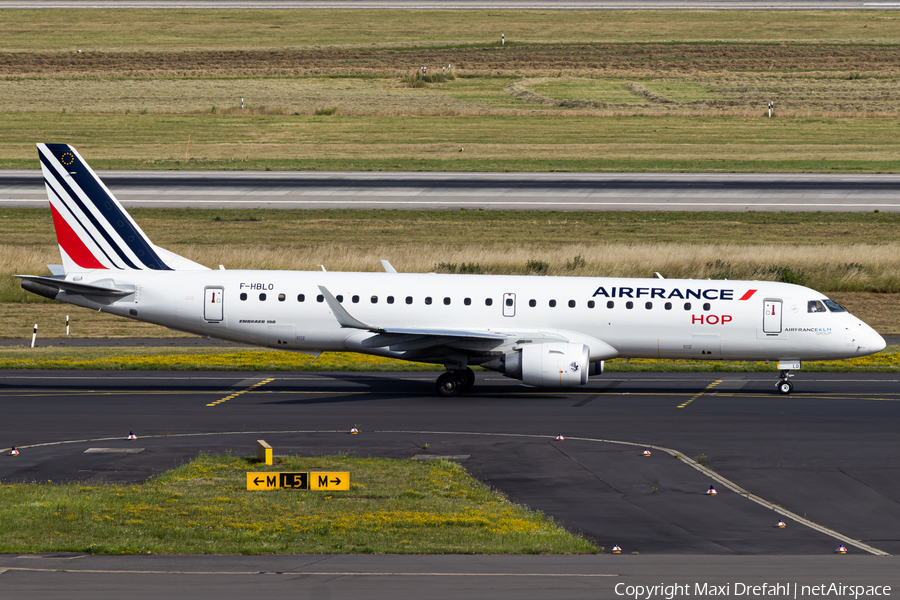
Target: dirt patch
{"x": 526, "y": 60}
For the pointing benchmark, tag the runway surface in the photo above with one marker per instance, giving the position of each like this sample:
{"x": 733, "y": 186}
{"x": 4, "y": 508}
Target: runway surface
{"x": 826, "y": 453}
{"x": 433, "y": 577}
{"x": 468, "y": 4}
{"x": 489, "y": 191}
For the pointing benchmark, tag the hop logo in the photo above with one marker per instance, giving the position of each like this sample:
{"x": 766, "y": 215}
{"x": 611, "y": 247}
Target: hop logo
{"x": 68, "y": 158}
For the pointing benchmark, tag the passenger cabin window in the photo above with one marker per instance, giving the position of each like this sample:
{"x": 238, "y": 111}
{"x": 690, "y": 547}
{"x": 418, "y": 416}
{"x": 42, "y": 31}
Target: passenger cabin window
{"x": 610, "y": 304}
{"x": 355, "y": 299}
{"x": 687, "y": 306}
{"x": 488, "y": 301}
{"x": 552, "y": 303}
{"x": 532, "y": 303}
{"x": 320, "y": 298}
{"x": 374, "y": 299}
{"x": 390, "y": 299}
{"x": 446, "y": 301}
{"x": 629, "y": 305}
{"x": 706, "y": 306}
{"x": 648, "y": 305}
{"x": 668, "y": 306}
{"x": 281, "y": 297}
{"x": 262, "y": 297}
{"x": 243, "y": 296}
{"x": 467, "y": 301}
{"x": 591, "y": 304}
{"x": 340, "y": 298}
{"x": 816, "y": 306}
{"x": 301, "y": 297}
{"x": 509, "y": 301}
{"x": 428, "y": 300}
{"x": 833, "y": 306}
{"x": 571, "y": 304}
{"x": 409, "y": 299}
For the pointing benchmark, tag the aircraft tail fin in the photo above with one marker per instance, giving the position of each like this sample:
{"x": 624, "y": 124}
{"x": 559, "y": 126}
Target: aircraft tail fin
{"x": 93, "y": 230}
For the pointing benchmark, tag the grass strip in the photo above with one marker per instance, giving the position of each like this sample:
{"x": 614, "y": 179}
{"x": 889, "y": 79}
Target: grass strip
{"x": 491, "y": 142}
{"x": 226, "y": 359}
{"x": 203, "y": 507}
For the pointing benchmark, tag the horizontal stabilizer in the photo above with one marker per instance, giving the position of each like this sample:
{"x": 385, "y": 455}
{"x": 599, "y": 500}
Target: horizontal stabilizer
{"x": 43, "y": 286}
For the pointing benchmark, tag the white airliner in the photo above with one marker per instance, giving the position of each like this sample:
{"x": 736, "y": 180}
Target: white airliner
{"x": 546, "y": 331}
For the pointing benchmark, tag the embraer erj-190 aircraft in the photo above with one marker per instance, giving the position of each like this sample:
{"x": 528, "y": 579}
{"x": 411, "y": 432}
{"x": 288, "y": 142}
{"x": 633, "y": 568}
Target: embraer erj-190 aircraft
{"x": 546, "y": 331}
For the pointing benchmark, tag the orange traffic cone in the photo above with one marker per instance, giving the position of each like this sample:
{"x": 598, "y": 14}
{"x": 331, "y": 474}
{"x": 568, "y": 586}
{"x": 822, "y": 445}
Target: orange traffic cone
{"x": 646, "y": 452}
{"x": 841, "y": 549}
{"x": 780, "y": 524}
{"x": 616, "y": 549}
{"x": 131, "y": 435}
{"x": 13, "y": 452}
{"x": 354, "y": 430}
{"x": 711, "y": 491}
{"x": 560, "y": 438}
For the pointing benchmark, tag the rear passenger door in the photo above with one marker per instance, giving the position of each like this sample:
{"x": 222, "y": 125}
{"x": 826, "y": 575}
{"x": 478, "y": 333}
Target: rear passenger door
{"x": 212, "y": 304}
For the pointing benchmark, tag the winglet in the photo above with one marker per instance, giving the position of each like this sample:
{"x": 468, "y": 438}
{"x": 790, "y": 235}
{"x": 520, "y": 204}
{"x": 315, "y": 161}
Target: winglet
{"x": 388, "y": 267}
{"x": 341, "y": 314}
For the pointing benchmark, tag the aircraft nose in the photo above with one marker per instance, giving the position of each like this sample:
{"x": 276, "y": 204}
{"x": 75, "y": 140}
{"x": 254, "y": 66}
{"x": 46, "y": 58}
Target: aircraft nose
{"x": 878, "y": 343}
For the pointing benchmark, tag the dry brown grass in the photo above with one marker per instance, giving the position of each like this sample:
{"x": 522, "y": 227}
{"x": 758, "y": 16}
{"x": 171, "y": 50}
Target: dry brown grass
{"x": 223, "y": 96}
{"x": 827, "y": 267}
{"x": 17, "y": 321}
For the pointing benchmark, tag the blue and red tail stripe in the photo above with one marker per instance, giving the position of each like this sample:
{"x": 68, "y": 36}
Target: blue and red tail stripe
{"x": 93, "y": 217}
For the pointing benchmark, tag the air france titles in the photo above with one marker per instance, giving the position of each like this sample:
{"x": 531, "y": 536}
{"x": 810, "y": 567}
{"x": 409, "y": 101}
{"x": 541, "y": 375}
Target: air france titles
{"x": 663, "y": 293}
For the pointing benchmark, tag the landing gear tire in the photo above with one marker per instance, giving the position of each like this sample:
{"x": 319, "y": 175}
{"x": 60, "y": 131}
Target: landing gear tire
{"x": 449, "y": 384}
{"x": 785, "y": 387}
{"x": 468, "y": 379}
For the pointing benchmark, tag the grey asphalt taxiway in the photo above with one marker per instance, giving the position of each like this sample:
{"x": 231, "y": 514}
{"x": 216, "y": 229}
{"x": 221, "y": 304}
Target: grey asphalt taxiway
{"x": 826, "y": 454}
{"x": 488, "y": 191}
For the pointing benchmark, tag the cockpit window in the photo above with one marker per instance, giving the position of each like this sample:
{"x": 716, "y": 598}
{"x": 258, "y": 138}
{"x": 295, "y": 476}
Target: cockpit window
{"x": 833, "y": 306}
{"x": 816, "y": 306}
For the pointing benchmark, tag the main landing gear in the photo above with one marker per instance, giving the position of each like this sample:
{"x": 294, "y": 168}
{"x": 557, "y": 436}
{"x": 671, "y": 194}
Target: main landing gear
{"x": 784, "y": 385}
{"x": 453, "y": 383}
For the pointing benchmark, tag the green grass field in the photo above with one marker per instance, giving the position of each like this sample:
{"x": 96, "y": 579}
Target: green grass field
{"x": 187, "y": 30}
{"x": 492, "y": 143}
{"x": 203, "y": 507}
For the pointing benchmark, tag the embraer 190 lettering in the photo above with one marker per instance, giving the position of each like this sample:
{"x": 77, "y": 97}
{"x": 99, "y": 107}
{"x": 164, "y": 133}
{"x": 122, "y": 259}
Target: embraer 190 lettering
{"x": 547, "y": 332}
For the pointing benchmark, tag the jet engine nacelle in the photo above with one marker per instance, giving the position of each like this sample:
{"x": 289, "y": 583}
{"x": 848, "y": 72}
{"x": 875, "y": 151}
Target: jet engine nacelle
{"x": 554, "y": 364}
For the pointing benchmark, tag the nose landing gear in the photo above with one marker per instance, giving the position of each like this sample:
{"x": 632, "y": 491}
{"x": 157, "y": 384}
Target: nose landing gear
{"x": 784, "y": 385}
{"x": 453, "y": 383}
